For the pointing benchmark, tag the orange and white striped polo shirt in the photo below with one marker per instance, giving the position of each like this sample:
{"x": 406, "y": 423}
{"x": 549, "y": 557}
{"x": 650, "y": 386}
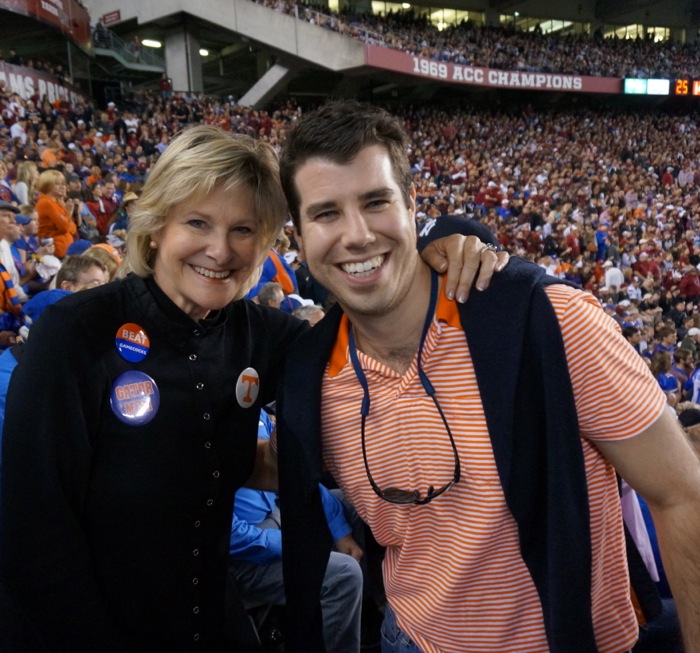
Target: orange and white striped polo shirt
{"x": 453, "y": 572}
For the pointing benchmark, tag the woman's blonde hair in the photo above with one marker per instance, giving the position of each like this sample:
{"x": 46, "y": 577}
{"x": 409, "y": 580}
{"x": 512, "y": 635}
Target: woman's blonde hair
{"x": 26, "y": 170}
{"x": 47, "y": 180}
{"x": 198, "y": 160}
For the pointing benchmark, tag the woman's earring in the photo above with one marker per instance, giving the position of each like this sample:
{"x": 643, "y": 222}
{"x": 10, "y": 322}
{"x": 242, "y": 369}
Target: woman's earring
{"x": 153, "y": 244}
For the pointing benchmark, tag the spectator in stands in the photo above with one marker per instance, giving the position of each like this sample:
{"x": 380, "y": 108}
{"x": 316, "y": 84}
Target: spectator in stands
{"x": 101, "y": 34}
{"x": 633, "y": 336}
{"x": 691, "y": 341}
{"x": 661, "y": 369}
{"x": 79, "y": 273}
{"x": 55, "y": 211}
{"x": 108, "y": 256}
{"x": 255, "y": 565}
{"x": 682, "y": 367}
{"x": 10, "y": 298}
{"x": 120, "y": 218}
{"x": 313, "y": 314}
{"x": 689, "y": 286}
{"x": 27, "y": 176}
{"x": 276, "y": 269}
{"x": 166, "y": 87}
{"x": 6, "y": 193}
{"x": 349, "y": 190}
{"x": 271, "y": 294}
{"x": 667, "y": 340}
{"x": 102, "y": 206}
{"x": 50, "y": 155}
{"x": 613, "y": 277}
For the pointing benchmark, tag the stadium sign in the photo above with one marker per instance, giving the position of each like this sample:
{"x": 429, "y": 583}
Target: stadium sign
{"x": 29, "y": 83}
{"x": 403, "y": 62}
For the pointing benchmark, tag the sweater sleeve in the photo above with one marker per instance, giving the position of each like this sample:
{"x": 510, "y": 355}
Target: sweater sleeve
{"x": 337, "y": 524}
{"x": 49, "y": 443}
{"x": 253, "y": 544}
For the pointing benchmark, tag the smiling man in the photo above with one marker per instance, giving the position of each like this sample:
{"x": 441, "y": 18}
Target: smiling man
{"x": 487, "y": 471}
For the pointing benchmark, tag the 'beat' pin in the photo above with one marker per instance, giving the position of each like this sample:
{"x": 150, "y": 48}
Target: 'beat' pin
{"x": 135, "y": 398}
{"x": 247, "y": 387}
{"x": 132, "y": 342}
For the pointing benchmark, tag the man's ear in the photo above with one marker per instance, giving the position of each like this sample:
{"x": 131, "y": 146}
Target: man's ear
{"x": 412, "y": 198}
{"x": 66, "y": 285}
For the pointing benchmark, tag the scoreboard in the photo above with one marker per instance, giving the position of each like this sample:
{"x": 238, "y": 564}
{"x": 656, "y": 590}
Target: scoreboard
{"x": 677, "y": 87}
{"x": 686, "y": 87}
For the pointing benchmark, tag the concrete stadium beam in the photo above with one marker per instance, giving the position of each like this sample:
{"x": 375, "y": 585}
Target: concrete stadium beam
{"x": 267, "y": 86}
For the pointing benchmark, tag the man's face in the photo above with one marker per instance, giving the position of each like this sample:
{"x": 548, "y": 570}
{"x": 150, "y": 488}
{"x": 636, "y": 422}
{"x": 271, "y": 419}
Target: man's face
{"x": 8, "y": 226}
{"x": 357, "y": 234}
{"x": 108, "y": 189}
{"x": 32, "y": 229}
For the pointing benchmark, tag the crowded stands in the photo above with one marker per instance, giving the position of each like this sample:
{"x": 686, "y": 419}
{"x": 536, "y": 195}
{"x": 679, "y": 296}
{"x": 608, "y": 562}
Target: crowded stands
{"x": 504, "y": 47}
{"x": 574, "y": 189}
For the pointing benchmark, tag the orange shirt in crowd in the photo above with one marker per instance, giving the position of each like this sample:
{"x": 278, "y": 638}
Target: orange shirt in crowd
{"x": 54, "y": 222}
{"x": 48, "y": 159}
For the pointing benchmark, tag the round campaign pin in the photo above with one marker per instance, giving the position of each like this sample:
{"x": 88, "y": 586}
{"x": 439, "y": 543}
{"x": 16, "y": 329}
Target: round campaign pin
{"x": 135, "y": 398}
{"x": 247, "y": 387}
{"x": 132, "y": 342}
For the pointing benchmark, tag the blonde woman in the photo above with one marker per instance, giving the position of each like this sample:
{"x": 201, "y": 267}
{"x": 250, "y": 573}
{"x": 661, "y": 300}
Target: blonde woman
{"x": 27, "y": 176}
{"x": 56, "y": 219}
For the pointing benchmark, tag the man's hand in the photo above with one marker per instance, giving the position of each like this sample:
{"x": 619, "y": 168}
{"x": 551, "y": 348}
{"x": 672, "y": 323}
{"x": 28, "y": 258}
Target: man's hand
{"x": 7, "y": 338}
{"x": 348, "y": 545}
{"x": 464, "y": 257}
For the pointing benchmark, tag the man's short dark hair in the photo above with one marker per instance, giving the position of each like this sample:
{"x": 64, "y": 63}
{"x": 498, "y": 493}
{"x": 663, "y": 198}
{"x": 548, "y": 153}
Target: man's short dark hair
{"x": 629, "y": 331}
{"x": 74, "y": 266}
{"x": 337, "y": 132}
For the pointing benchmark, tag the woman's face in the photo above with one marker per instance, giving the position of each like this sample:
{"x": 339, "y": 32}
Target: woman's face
{"x": 59, "y": 188}
{"x": 207, "y": 250}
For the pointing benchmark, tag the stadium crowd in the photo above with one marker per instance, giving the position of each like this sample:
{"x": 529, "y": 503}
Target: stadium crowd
{"x": 574, "y": 189}
{"x": 505, "y": 47}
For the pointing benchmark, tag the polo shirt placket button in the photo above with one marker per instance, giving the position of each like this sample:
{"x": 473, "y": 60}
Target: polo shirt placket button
{"x": 216, "y": 473}
{"x": 193, "y": 357}
{"x": 206, "y": 416}
{"x": 200, "y": 386}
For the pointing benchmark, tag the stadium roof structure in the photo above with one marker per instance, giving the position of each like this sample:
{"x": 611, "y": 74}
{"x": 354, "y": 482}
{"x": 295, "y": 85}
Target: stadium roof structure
{"x": 244, "y": 40}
